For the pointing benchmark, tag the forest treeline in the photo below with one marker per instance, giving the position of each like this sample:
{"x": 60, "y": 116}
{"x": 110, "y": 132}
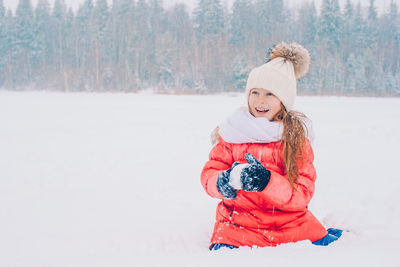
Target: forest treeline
{"x": 137, "y": 44}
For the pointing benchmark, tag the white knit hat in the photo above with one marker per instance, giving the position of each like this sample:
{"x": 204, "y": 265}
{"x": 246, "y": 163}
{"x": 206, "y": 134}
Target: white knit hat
{"x": 287, "y": 63}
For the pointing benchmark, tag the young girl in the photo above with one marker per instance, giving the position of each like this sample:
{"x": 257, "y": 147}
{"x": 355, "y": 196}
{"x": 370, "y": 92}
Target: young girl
{"x": 262, "y": 167}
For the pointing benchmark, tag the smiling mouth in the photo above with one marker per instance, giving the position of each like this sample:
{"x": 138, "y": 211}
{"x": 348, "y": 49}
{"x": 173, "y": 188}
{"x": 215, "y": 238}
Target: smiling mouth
{"x": 262, "y": 110}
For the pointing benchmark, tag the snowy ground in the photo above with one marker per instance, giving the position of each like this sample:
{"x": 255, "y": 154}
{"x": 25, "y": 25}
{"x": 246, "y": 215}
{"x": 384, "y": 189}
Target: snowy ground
{"x": 114, "y": 180}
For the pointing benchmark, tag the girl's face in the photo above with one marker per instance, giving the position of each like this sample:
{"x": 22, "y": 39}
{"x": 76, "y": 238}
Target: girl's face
{"x": 262, "y": 103}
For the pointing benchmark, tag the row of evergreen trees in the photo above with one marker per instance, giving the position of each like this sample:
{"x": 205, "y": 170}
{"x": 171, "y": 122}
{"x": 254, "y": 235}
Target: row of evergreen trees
{"x": 137, "y": 44}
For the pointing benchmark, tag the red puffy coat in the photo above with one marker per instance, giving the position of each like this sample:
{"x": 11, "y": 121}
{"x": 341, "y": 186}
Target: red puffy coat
{"x": 276, "y": 215}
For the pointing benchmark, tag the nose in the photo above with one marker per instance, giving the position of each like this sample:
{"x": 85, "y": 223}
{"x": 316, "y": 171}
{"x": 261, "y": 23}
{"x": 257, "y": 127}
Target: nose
{"x": 263, "y": 100}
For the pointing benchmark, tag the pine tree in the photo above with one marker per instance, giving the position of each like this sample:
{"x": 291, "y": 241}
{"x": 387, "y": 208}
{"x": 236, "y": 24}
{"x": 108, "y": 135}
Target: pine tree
{"x": 58, "y": 35}
{"x": 24, "y": 31}
{"x": 263, "y": 26}
{"x": 142, "y": 24}
{"x": 24, "y": 22}
{"x": 372, "y": 69}
{"x": 371, "y": 73}
{"x": 3, "y": 38}
{"x": 209, "y": 26}
{"x": 166, "y": 60}
{"x": 121, "y": 15}
{"x": 86, "y": 29}
{"x": 180, "y": 25}
{"x": 263, "y": 17}
{"x": 348, "y": 47}
{"x": 329, "y": 33}
{"x": 239, "y": 73}
{"x": 181, "y": 30}
{"x": 372, "y": 25}
{"x": 306, "y": 34}
{"x": 2, "y": 24}
{"x": 393, "y": 32}
{"x": 10, "y": 50}
{"x": 157, "y": 17}
{"x": 156, "y": 57}
{"x": 354, "y": 79}
{"x": 2, "y": 10}
{"x": 330, "y": 25}
{"x": 241, "y": 23}
{"x": 209, "y": 19}
{"x": 69, "y": 80}
{"x": 101, "y": 16}
{"x": 348, "y": 40}
{"x": 2, "y": 14}
{"x": 41, "y": 44}
{"x": 102, "y": 32}
{"x": 279, "y": 19}
{"x": 307, "y": 24}
{"x": 358, "y": 30}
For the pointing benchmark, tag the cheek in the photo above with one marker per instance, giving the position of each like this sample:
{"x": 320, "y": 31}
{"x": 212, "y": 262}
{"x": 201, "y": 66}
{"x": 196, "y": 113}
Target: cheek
{"x": 275, "y": 106}
{"x": 251, "y": 102}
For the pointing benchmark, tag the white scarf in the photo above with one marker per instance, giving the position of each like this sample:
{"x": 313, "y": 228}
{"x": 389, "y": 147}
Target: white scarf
{"x": 242, "y": 127}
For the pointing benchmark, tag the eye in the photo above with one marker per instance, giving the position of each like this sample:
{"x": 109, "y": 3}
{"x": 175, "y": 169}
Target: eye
{"x": 270, "y": 94}
{"x": 254, "y": 92}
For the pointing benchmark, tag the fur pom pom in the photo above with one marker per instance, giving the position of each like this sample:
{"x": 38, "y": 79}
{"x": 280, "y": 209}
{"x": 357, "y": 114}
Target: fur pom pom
{"x": 296, "y": 53}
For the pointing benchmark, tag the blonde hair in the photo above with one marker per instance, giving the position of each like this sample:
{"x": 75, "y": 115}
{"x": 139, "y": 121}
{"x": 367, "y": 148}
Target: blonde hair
{"x": 293, "y": 140}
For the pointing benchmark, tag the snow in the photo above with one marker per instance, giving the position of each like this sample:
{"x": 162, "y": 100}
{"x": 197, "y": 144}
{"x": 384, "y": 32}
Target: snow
{"x": 234, "y": 176}
{"x": 114, "y": 180}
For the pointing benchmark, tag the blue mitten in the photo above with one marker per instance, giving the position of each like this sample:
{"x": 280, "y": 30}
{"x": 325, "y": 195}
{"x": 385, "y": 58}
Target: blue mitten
{"x": 223, "y": 185}
{"x": 254, "y": 177}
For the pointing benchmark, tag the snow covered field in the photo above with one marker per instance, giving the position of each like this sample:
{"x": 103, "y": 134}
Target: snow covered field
{"x": 114, "y": 180}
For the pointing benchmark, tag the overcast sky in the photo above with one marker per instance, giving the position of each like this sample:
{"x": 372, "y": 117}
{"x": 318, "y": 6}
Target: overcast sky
{"x": 381, "y": 4}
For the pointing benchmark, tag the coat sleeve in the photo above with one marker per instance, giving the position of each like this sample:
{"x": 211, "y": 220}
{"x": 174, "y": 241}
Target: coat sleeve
{"x": 220, "y": 159}
{"x": 282, "y": 195}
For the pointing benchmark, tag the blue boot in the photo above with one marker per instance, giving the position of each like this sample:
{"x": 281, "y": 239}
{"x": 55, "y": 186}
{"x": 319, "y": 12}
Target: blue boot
{"x": 333, "y": 235}
{"x": 218, "y": 246}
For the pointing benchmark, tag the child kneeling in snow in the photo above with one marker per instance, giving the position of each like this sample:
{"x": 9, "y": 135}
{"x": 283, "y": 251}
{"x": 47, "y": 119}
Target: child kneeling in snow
{"x": 262, "y": 167}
